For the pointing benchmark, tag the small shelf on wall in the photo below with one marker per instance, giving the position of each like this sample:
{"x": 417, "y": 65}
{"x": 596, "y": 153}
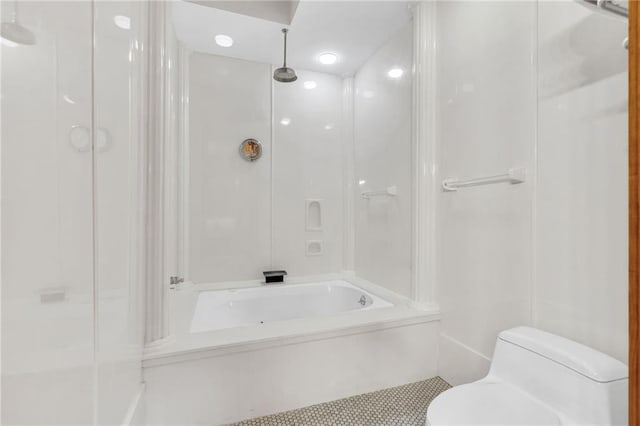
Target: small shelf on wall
{"x": 313, "y": 214}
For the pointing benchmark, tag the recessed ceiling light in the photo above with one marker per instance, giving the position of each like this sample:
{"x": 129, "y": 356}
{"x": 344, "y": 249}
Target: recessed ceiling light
{"x": 327, "y": 58}
{"x": 395, "y": 72}
{"x": 310, "y": 85}
{"x": 122, "y": 21}
{"x": 224, "y": 40}
{"x": 285, "y": 121}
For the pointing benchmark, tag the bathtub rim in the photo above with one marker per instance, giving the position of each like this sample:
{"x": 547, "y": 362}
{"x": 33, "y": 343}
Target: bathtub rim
{"x": 377, "y": 302}
{"x": 181, "y": 346}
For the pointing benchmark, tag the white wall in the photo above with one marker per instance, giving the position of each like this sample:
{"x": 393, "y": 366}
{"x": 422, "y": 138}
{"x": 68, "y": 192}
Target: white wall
{"x": 545, "y": 87}
{"x": 229, "y": 198}
{"x": 486, "y": 124}
{"x": 581, "y": 210}
{"x": 308, "y": 165}
{"x": 248, "y": 217}
{"x": 383, "y": 148}
{"x": 60, "y": 363}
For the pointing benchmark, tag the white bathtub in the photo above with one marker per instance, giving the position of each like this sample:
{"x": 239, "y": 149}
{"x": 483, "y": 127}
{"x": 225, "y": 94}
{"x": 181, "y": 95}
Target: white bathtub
{"x": 217, "y": 310}
{"x": 241, "y": 350}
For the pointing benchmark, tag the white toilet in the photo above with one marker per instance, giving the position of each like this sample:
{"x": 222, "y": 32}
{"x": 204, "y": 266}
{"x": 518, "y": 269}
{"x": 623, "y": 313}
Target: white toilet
{"x": 538, "y": 378}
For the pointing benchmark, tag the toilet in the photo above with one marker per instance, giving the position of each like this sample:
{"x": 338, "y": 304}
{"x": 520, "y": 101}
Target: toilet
{"x": 538, "y": 378}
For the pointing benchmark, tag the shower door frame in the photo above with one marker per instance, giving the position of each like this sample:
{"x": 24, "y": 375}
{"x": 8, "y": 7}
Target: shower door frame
{"x": 634, "y": 213}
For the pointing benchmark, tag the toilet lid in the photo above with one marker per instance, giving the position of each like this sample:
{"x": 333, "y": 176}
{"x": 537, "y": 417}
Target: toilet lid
{"x": 484, "y": 403}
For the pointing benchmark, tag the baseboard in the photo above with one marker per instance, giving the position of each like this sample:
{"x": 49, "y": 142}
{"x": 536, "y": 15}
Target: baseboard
{"x": 135, "y": 412}
{"x": 458, "y": 363}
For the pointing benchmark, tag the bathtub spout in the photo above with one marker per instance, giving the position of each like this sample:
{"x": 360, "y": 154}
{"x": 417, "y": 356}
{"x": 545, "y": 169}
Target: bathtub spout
{"x": 274, "y": 277}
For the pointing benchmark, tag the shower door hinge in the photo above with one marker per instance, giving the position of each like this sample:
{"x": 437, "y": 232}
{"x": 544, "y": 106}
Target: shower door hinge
{"x": 174, "y": 281}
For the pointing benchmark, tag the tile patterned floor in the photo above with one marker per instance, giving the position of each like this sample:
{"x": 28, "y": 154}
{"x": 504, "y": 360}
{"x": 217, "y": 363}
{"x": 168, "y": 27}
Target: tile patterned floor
{"x": 404, "y": 405}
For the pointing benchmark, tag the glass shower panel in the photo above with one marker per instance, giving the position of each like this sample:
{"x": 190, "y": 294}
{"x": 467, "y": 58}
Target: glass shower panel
{"x": 47, "y": 246}
{"x": 383, "y": 159}
{"x": 119, "y": 58}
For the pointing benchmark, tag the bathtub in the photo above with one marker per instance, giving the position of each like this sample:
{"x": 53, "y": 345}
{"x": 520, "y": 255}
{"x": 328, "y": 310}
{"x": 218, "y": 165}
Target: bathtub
{"x": 241, "y": 350}
{"x": 217, "y": 310}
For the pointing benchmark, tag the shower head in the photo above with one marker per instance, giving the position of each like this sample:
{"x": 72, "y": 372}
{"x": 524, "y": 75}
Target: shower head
{"x": 16, "y": 33}
{"x": 285, "y": 74}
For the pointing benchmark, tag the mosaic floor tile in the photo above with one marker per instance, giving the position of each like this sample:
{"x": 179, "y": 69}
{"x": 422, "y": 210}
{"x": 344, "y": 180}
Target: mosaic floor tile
{"x": 400, "y": 406}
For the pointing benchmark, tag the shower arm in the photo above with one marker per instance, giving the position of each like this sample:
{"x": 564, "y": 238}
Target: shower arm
{"x": 285, "y": 31}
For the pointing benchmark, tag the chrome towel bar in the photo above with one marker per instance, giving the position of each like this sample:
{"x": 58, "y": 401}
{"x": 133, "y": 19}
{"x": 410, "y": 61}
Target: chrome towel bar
{"x": 390, "y": 191}
{"x": 515, "y": 175}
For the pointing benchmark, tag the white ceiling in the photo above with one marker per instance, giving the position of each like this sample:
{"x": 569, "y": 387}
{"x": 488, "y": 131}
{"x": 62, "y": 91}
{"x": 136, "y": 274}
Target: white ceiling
{"x": 279, "y": 10}
{"x": 353, "y": 30}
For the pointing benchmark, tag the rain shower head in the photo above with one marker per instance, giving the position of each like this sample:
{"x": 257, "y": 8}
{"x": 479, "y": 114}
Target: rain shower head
{"x": 285, "y": 74}
{"x": 16, "y": 33}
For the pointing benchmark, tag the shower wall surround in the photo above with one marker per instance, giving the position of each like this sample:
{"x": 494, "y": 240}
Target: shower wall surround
{"x": 229, "y": 198}
{"x": 71, "y": 289}
{"x": 308, "y": 164}
{"x": 248, "y": 217}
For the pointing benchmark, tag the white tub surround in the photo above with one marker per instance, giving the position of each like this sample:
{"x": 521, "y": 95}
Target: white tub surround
{"x": 316, "y": 343}
{"x": 289, "y": 313}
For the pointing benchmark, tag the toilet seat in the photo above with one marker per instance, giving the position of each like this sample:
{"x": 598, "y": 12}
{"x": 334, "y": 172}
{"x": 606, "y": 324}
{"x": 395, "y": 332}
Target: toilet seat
{"x": 488, "y": 403}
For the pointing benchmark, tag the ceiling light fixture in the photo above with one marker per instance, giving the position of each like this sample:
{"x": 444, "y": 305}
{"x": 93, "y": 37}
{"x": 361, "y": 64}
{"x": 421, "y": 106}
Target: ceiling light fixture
{"x": 327, "y": 58}
{"x": 224, "y": 40}
{"x": 122, "y": 21}
{"x": 395, "y": 72}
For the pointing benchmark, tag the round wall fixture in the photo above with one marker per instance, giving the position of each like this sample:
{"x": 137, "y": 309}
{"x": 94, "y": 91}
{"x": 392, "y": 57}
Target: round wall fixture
{"x": 80, "y": 139}
{"x": 250, "y": 149}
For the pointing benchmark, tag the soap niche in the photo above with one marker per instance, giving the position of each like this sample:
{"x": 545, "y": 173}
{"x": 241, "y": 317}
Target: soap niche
{"x": 314, "y": 248}
{"x": 313, "y": 215}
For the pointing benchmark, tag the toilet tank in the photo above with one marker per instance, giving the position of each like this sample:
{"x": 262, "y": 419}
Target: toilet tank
{"x": 580, "y": 383}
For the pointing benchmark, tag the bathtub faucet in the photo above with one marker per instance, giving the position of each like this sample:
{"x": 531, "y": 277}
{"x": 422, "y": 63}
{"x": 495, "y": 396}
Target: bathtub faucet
{"x": 363, "y": 300}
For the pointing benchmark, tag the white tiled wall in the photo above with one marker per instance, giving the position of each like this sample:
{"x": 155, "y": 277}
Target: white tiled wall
{"x": 581, "y": 214}
{"x": 308, "y": 165}
{"x": 486, "y": 91}
{"x": 544, "y": 87}
{"x": 383, "y": 148}
{"x": 248, "y": 217}
{"x": 229, "y": 197}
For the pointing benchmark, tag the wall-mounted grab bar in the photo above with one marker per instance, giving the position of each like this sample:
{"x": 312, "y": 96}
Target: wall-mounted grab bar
{"x": 390, "y": 191}
{"x": 515, "y": 175}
